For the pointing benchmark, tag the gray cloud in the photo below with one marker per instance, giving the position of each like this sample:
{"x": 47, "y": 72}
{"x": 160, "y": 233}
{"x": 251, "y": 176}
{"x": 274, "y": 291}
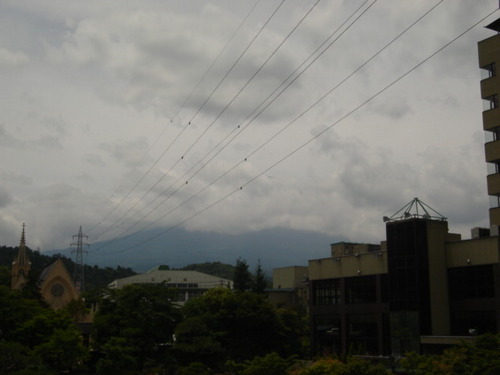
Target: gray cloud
{"x": 102, "y": 81}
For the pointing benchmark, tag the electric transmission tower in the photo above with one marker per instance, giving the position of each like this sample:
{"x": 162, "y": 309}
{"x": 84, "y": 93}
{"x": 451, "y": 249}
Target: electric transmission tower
{"x": 78, "y": 275}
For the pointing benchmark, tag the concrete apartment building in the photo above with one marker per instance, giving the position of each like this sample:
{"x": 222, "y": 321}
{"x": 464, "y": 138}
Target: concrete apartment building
{"x": 422, "y": 288}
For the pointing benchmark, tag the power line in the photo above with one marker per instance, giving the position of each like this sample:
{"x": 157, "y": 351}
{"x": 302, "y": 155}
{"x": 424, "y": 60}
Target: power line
{"x": 223, "y": 110}
{"x": 171, "y": 121}
{"x": 294, "y": 151}
{"x": 261, "y": 29}
{"x": 281, "y": 86}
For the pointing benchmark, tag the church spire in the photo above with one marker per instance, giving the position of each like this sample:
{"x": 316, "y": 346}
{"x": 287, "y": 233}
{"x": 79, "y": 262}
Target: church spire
{"x": 21, "y": 264}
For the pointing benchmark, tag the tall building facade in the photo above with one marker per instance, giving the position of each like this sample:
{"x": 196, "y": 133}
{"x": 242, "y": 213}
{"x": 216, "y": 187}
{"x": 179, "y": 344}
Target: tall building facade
{"x": 489, "y": 58}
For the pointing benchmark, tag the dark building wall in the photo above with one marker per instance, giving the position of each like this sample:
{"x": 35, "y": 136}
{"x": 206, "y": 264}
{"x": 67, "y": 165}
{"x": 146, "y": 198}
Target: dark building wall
{"x": 350, "y": 314}
{"x": 409, "y": 292}
{"x": 473, "y": 302}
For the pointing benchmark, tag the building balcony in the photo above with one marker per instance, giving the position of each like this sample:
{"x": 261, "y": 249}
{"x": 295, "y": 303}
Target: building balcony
{"x": 489, "y": 86}
{"x": 488, "y": 50}
{"x": 491, "y": 119}
{"x": 492, "y": 151}
{"x": 493, "y": 182}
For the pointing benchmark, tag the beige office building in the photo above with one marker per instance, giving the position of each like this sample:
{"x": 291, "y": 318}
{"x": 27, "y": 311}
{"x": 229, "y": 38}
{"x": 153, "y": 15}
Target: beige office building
{"x": 422, "y": 288}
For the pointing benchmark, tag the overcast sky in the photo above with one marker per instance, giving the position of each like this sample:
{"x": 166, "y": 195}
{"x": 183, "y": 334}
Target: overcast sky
{"x": 123, "y": 115}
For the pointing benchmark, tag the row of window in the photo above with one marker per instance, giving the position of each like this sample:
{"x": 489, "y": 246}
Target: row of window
{"x": 181, "y": 285}
{"x": 463, "y": 283}
{"x": 353, "y": 290}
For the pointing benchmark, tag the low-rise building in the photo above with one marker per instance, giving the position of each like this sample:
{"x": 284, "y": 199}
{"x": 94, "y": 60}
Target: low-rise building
{"x": 420, "y": 290}
{"x": 289, "y": 287}
{"x": 190, "y": 284}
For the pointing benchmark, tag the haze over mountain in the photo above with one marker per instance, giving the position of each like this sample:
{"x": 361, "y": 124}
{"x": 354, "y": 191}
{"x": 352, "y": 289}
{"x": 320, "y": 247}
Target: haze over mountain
{"x": 277, "y": 247}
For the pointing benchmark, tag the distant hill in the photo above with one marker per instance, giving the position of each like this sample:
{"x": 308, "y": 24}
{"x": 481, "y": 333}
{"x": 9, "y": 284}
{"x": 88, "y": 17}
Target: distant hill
{"x": 277, "y": 247}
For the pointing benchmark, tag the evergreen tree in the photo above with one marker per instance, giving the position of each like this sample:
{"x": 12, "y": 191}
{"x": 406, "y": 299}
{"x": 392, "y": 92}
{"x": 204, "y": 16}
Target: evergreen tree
{"x": 260, "y": 279}
{"x": 242, "y": 278}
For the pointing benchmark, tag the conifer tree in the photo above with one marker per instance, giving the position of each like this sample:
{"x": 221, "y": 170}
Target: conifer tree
{"x": 242, "y": 278}
{"x": 260, "y": 280}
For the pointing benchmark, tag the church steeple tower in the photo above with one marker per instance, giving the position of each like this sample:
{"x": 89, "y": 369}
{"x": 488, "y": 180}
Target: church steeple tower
{"x": 21, "y": 264}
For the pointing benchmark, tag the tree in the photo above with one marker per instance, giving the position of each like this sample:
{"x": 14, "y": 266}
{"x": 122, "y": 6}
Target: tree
{"x": 296, "y": 332}
{"x": 195, "y": 368}
{"x": 195, "y": 342}
{"x": 260, "y": 279}
{"x": 144, "y": 316}
{"x": 119, "y": 358}
{"x": 269, "y": 364}
{"x": 242, "y": 278}
{"x": 15, "y": 357}
{"x": 476, "y": 357}
{"x": 5, "y": 276}
{"x": 14, "y": 312}
{"x": 331, "y": 366}
{"x": 39, "y": 329}
{"x": 63, "y": 351}
{"x": 245, "y": 324}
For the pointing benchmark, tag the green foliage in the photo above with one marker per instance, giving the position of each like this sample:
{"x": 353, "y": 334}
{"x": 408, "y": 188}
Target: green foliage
{"x": 64, "y": 350}
{"x": 296, "y": 332}
{"x": 269, "y": 364}
{"x": 143, "y": 316}
{"x": 242, "y": 278}
{"x": 244, "y": 324}
{"x": 38, "y": 330}
{"x": 5, "y": 276}
{"x": 15, "y": 357}
{"x": 331, "y": 366}
{"x": 76, "y": 310}
{"x": 195, "y": 368}
{"x": 118, "y": 359}
{"x": 260, "y": 279}
{"x": 36, "y": 339}
{"x": 195, "y": 342}
{"x": 480, "y": 356}
{"x": 14, "y": 311}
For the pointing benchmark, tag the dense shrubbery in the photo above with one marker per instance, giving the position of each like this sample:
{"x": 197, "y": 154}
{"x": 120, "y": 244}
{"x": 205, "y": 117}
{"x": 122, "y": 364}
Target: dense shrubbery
{"x": 481, "y": 356}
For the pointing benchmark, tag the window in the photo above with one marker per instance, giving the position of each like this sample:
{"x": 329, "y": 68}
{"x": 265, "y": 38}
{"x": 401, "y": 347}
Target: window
{"x": 471, "y": 282}
{"x": 348, "y": 249}
{"x": 488, "y": 71}
{"x": 57, "y": 290}
{"x": 490, "y": 102}
{"x": 361, "y": 289}
{"x": 326, "y": 292}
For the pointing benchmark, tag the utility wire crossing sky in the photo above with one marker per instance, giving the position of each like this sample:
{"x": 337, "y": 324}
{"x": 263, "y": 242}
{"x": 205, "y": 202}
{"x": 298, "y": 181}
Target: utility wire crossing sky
{"x": 215, "y": 116}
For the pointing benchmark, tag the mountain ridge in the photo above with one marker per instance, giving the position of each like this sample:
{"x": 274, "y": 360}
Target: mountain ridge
{"x": 274, "y": 247}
